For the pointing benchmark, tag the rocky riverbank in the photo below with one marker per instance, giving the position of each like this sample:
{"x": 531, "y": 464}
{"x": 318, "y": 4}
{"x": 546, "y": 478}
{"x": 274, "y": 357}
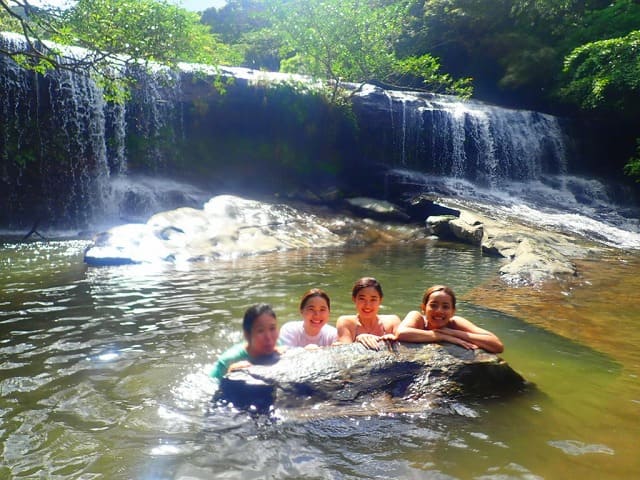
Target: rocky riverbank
{"x": 532, "y": 255}
{"x": 230, "y": 226}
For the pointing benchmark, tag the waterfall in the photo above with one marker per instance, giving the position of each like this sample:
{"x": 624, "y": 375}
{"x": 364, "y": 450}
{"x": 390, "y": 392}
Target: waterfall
{"x": 62, "y": 145}
{"x": 445, "y": 135}
{"x": 509, "y": 163}
{"x": 71, "y": 159}
{"x": 53, "y": 125}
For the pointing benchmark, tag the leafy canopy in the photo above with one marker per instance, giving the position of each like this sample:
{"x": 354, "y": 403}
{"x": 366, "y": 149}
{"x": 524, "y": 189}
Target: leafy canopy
{"x": 605, "y": 74}
{"x": 113, "y": 33}
{"x": 350, "y": 41}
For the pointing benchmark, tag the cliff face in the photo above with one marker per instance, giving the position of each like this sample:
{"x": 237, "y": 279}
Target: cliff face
{"x": 69, "y": 159}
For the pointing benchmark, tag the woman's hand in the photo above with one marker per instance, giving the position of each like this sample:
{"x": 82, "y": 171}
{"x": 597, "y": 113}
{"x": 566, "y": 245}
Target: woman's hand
{"x": 389, "y": 337}
{"x": 239, "y": 365}
{"x": 369, "y": 340}
{"x": 452, "y": 336}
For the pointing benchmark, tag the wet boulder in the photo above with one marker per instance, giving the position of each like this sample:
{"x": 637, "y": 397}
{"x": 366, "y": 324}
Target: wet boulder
{"x": 226, "y": 227}
{"x": 353, "y": 373}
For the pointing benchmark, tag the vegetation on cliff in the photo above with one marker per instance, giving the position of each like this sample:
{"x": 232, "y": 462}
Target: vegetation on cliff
{"x": 571, "y": 56}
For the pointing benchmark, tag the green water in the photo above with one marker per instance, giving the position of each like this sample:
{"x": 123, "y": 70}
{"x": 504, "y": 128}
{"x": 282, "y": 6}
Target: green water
{"x": 103, "y": 371}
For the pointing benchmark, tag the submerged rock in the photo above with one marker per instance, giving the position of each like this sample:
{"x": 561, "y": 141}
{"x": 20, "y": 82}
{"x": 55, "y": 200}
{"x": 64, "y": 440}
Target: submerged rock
{"x": 349, "y": 373}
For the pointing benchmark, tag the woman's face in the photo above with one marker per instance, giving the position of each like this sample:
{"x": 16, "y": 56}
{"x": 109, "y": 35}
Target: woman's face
{"x": 264, "y": 336}
{"x": 368, "y": 302}
{"x": 315, "y": 315}
{"x": 439, "y": 309}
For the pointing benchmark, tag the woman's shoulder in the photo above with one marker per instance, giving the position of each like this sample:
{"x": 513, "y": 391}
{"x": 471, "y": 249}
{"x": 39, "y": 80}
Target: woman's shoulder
{"x": 414, "y": 317}
{"x": 235, "y": 351}
{"x": 346, "y": 319}
{"x": 291, "y": 325}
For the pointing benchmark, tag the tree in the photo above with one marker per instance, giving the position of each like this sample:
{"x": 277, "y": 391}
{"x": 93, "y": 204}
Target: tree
{"x": 113, "y": 34}
{"x": 605, "y": 76}
{"x": 350, "y": 41}
{"x": 242, "y": 24}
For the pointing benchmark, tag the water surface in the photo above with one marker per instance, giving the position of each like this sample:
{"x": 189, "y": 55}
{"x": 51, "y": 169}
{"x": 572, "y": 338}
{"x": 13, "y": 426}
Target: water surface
{"x": 104, "y": 370}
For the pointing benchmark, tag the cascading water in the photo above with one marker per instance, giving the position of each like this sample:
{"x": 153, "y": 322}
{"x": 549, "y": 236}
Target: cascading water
{"x": 444, "y": 135}
{"x": 508, "y": 162}
{"x": 56, "y": 123}
{"x": 64, "y": 148}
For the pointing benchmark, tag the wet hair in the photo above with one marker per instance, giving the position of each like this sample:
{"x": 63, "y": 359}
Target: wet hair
{"x": 439, "y": 288}
{"x": 366, "y": 282}
{"x": 254, "y": 312}
{"x": 314, "y": 292}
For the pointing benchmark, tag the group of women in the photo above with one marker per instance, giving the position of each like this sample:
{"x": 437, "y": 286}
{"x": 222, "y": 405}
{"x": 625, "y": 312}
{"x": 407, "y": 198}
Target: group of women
{"x": 436, "y": 322}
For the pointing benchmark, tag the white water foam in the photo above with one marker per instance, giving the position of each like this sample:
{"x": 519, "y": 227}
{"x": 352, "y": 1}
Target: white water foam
{"x": 563, "y": 203}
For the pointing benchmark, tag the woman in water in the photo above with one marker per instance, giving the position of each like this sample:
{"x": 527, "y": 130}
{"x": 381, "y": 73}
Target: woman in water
{"x": 438, "y": 323}
{"x": 367, "y": 326}
{"x": 260, "y": 329}
{"x": 313, "y": 330}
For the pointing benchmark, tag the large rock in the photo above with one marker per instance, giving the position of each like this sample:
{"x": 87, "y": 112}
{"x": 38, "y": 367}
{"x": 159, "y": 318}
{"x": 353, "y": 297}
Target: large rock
{"x": 350, "y": 373}
{"x": 533, "y": 255}
{"x": 227, "y": 227}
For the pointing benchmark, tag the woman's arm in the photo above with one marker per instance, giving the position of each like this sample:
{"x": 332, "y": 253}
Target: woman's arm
{"x": 412, "y": 329}
{"x": 470, "y": 332}
{"x": 346, "y": 329}
{"x": 391, "y": 324}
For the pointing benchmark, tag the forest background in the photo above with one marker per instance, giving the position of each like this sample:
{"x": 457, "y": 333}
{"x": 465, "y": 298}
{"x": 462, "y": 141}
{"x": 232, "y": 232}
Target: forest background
{"x": 578, "y": 58}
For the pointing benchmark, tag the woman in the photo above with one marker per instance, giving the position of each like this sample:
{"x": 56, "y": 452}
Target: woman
{"x": 438, "y": 324}
{"x": 260, "y": 329}
{"x": 367, "y": 326}
{"x": 312, "y": 331}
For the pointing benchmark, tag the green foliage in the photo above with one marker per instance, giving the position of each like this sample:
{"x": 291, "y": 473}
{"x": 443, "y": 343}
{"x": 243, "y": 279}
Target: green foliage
{"x": 350, "y": 41}
{"x": 427, "y": 69}
{"x": 614, "y": 19}
{"x": 8, "y": 23}
{"x": 150, "y": 30}
{"x": 117, "y": 33}
{"x": 605, "y": 74}
{"x": 245, "y": 26}
{"x": 632, "y": 168}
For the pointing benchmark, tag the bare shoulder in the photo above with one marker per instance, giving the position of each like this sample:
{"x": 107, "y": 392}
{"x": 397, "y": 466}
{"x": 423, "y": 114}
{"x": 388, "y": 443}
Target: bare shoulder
{"x": 461, "y": 323}
{"x": 392, "y": 319}
{"x": 344, "y": 320}
{"x": 412, "y": 317}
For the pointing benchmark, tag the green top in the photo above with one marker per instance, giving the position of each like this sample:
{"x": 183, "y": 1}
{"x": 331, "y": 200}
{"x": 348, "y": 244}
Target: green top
{"x": 237, "y": 353}
{"x": 234, "y": 354}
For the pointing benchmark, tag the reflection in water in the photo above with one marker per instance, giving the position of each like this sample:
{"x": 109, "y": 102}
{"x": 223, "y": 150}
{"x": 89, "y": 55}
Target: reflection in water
{"x": 104, "y": 371}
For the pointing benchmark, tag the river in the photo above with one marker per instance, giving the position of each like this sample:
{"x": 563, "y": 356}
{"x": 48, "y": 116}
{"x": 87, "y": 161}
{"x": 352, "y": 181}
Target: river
{"x": 104, "y": 370}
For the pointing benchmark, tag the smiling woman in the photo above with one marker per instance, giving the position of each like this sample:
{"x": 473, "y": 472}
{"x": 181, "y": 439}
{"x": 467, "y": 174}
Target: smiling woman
{"x": 313, "y": 330}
